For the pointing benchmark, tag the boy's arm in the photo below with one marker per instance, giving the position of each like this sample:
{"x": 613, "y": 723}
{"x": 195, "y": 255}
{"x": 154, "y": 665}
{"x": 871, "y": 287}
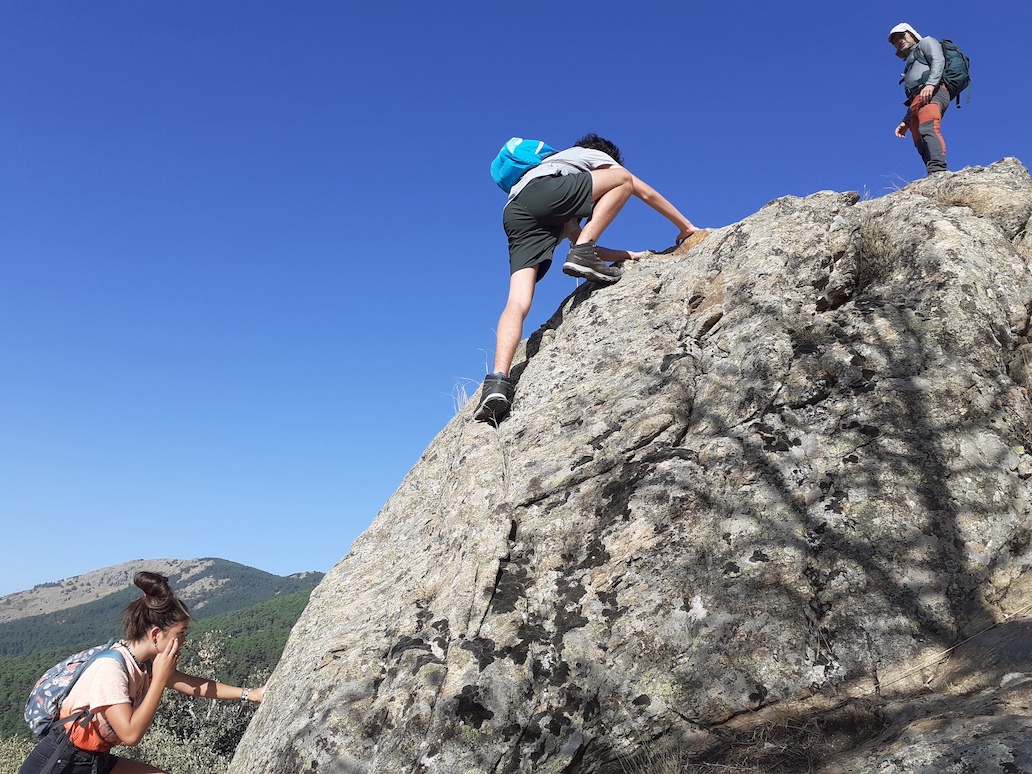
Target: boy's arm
{"x": 616, "y": 256}
{"x": 656, "y": 201}
{"x": 572, "y": 230}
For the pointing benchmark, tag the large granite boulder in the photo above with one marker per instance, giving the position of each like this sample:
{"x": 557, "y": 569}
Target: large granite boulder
{"x": 747, "y": 504}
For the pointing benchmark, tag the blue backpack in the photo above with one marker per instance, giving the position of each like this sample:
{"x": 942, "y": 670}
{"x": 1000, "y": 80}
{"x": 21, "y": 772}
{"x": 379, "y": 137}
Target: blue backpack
{"x": 515, "y": 158}
{"x": 44, "y": 704}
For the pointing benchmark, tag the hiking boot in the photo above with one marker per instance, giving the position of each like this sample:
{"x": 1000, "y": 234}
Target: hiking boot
{"x": 495, "y": 398}
{"x": 583, "y": 261}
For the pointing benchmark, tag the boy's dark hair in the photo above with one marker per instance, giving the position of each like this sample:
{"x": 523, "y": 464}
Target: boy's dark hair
{"x": 595, "y": 142}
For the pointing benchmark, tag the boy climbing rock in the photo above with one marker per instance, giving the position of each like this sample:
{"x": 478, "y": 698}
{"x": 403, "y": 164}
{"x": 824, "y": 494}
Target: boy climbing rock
{"x": 545, "y": 206}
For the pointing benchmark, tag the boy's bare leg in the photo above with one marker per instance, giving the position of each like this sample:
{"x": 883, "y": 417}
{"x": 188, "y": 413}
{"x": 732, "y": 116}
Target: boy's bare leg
{"x": 610, "y": 189}
{"x": 510, "y": 324}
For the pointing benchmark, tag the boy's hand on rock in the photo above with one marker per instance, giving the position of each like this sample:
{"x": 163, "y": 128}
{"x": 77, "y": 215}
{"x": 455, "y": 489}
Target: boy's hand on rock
{"x": 686, "y": 232}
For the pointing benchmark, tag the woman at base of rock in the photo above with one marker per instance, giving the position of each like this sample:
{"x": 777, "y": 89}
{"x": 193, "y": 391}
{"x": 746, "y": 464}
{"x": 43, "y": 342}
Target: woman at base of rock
{"x": 118, "y": 697}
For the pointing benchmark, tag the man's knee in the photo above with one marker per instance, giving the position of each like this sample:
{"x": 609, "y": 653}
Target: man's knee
{"x": 624, "y": 179}
{"x": 517, "y": 307}
{"x": 622, "y": 175}
{"x": 605, "y": 180}
{"x": 521, "y": 292}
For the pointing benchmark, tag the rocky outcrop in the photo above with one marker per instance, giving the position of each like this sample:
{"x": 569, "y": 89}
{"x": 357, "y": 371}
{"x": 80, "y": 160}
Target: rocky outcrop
{"x": 764, "y": 503}
{"x": 97, "y": 584}
{"x": 198, "y": 582}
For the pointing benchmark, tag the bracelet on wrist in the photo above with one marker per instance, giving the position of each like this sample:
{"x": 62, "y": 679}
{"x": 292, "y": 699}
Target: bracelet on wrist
{"x": 243, "y": 694}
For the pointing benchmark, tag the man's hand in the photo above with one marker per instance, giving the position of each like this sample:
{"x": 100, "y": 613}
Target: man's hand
{"x": 901, "y": 130}
{"x": 926, "y": 94}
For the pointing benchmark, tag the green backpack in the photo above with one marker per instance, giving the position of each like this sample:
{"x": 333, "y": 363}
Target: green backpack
{"x": 956, "y": 73}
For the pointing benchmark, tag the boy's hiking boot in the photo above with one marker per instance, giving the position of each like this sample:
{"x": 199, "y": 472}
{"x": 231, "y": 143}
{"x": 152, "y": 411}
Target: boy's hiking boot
{"x": 495, "y": 398}
{"x": 583, "y": 261}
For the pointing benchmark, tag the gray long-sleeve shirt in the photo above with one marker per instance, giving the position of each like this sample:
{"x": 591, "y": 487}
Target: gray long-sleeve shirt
{"x": 924, "y": 65}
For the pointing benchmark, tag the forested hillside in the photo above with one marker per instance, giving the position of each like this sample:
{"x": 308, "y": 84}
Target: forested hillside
{"x": 250, "y": 613}
{"x": 251, "y": 641}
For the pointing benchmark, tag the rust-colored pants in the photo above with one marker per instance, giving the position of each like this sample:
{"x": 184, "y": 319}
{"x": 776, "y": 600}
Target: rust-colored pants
{"x": 924, "y": 128}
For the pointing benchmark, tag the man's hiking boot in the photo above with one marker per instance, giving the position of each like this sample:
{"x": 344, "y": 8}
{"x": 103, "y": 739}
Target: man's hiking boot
{"x": 583, "y": 261}
{"x": 495, "y": 398}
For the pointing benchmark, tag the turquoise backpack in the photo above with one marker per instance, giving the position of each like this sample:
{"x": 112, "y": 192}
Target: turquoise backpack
{"x": 515, "y": 158}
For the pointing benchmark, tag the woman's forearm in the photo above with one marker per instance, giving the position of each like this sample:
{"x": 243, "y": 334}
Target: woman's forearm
{"x": 212, "y": 689}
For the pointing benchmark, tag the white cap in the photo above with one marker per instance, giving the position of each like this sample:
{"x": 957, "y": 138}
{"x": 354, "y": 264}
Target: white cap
{"x": 904, "y": 27}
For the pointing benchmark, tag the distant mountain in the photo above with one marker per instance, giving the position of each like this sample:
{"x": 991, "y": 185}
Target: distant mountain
{"x": 86, "y": 609}
{"x": 192, "y": 579}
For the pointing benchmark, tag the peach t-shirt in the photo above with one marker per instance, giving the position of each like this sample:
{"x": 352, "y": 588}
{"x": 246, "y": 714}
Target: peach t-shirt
{"x": 103, "y": 684}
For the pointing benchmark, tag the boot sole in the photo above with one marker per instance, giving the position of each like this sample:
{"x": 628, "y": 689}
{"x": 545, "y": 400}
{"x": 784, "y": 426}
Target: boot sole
{"x": 494, "y": 406}
{"x": 583, "y": 272}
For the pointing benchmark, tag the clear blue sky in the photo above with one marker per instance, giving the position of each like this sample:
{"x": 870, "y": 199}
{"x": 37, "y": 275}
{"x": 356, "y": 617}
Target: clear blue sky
{"x": 248, "y": 249}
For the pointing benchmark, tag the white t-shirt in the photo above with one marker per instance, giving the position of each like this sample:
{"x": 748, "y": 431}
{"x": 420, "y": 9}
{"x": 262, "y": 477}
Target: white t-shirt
{"x": 567, "y": 162}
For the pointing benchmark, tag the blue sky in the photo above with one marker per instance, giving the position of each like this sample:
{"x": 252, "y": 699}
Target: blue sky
{"x": 249, "y": 249}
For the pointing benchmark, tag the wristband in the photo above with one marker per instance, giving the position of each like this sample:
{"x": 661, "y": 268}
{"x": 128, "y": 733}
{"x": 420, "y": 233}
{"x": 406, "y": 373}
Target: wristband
{"x": 243, "y": 694}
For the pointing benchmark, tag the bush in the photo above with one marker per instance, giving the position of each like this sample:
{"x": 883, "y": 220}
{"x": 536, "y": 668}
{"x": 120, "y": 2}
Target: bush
{"x": 13, "y": 751}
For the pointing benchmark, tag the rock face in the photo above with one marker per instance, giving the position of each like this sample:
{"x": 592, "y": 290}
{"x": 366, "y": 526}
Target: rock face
{"x": 748, "y": 501}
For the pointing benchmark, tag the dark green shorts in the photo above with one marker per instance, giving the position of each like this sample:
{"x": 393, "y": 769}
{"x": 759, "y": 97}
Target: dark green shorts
{"x": 534, "y": 220}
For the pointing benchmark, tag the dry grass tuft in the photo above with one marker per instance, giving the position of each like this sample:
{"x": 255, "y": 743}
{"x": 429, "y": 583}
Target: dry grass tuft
{"x": 462, "y": 392}
{"x": 776, "y": 742}
{"x": 877, "y": 255}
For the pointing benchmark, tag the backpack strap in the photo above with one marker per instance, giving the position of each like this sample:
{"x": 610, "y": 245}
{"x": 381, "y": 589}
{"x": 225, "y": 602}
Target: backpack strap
{"x": 919, "y": 56}
{"x": 64, "y": 746}
{"x": 968, "y": 90}
{"x": 108, "y": 652}
{"x": 86, "y": 715}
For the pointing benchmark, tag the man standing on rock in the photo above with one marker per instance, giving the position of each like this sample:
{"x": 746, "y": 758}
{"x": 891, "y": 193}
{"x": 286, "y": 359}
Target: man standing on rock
{"x": 927, "y": 95}
{"x": 546, "y": 206}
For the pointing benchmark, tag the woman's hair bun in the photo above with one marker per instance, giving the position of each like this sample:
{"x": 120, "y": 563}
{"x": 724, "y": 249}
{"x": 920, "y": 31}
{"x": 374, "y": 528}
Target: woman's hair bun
{"x": 159, "y": 606}
{"x": 153, "y": 585}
